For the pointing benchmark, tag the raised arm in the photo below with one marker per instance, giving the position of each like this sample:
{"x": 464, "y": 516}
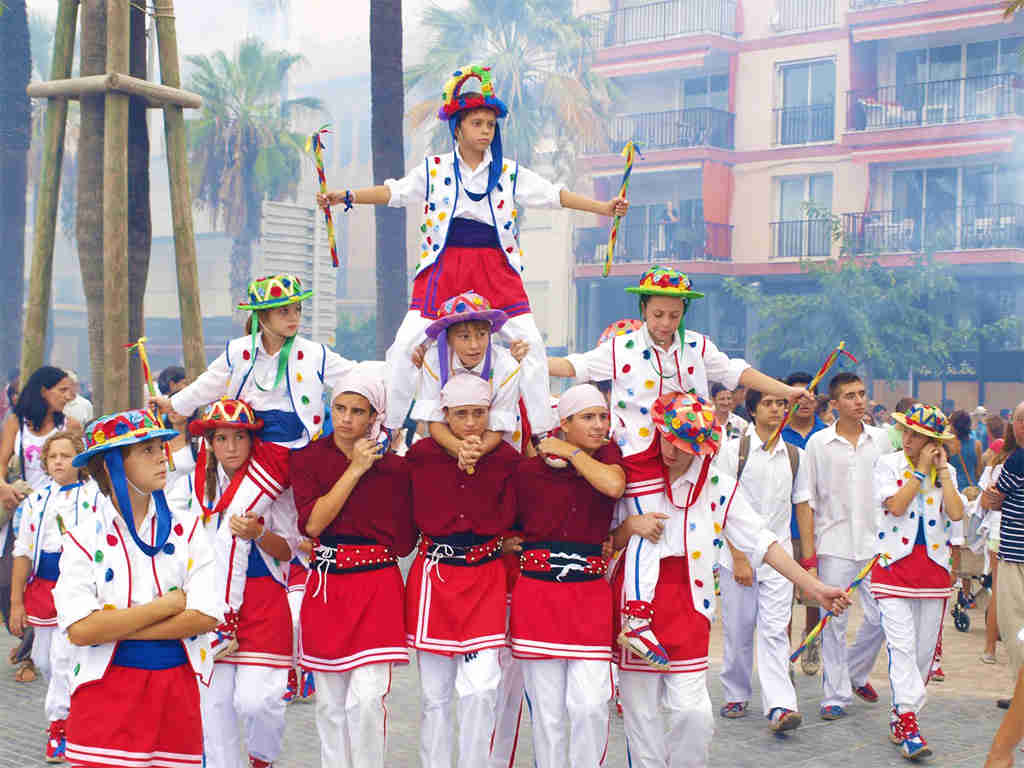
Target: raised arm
{"x": 364, "y": 455}
{"x": 379, "y": 195}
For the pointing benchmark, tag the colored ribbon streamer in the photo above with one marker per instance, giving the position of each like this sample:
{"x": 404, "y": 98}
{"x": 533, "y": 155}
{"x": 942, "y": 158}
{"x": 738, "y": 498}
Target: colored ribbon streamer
{"x": 829, "y": 362}
{"x": 316, "y": 144}
{"x": 829, "y": 614}
{"x": 629, "y": 152}
{"x": 147, "y": 375}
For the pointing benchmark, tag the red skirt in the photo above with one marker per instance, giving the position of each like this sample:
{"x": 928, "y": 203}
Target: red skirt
{"x": 137, "y": 718}
{"x": 459, "y": 269}
{"x": 456, "y": 609}
{"x": 681, "y": 629}
{"x": 352, "y": 619}
{"x": 561, "y": 620}
{"x": 915, "y": 576}
{"x": 264, "y": 626}
{"x": 39, "y": 608}
{"x": 297, "y": 577}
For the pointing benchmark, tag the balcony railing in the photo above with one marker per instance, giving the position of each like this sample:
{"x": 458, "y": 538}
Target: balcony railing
{"x": 801, "y": 239}
{"x": 935, "y": 102}
{"x": 663, "y": 242}
{"x": 797, "y": 15}
{"x": 694, "y": 127}
{"x": 660, "y": 21}
{"x": 944, "y": 229}
{"x": 803, "y": 125}
{"x": 863, "y": 5}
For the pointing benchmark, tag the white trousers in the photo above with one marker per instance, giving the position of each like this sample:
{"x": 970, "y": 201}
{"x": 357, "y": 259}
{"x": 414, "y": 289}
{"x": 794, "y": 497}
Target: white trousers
{"x": 763, "y": 609}
{"x": 509, "y": 711}
{"x": 534, "y": 384}
{"x": 667, "y": 719}
{"x": 295, "y": 595}
{"x": 41, "y": 641}
{"x": 844, "y": 669}
{"x": 351, "y": 716}
{"x": 911, "y": 631}
{"x": 569, "y": 710}
{"x": 58, "y": 690}
{"x": 243, "y": 695}
{"x": 473, "y": 679}
{"x": 643, "y": 568}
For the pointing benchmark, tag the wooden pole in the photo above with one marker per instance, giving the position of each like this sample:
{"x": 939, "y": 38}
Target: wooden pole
{"x": 181, "y": 196}
{"x": 41, "y": 280}
{"x": 116, "y": 299}
{"x": 156, "y": 96}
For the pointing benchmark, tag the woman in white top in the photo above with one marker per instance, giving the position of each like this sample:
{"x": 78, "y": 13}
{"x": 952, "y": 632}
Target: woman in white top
{"x": 988, "y": 480}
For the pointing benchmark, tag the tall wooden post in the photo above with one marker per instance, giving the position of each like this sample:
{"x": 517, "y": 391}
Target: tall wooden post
{"x": 181, "y": 196}
{"x": 36, "y": 314}
{"x": 116, "y": 298}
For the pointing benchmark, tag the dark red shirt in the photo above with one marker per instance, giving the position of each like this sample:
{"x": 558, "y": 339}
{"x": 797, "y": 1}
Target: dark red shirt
{"x": 379, "y": 507}
{"x": 560, "y": 505}
{"x": 447, "y": 500}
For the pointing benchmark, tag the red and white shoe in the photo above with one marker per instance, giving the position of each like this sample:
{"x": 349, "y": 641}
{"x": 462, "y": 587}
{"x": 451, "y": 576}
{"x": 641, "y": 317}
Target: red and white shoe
{"x": 255, "y": 762}
{"x": 224, "y": 636}
{"x": 638, "y": 637}
{"x": 913, "y": 746}
{"x": 56, "y": 743}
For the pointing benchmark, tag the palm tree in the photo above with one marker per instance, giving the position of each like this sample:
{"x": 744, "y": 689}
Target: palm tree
{"x": 15, "y": 132}
{"x": 242, "y": 148}
{"x": 387, "y": 101}
{"x": 538, "y": 53}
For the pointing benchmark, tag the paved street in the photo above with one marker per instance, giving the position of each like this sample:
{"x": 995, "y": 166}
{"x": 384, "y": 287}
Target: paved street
{"x": 958, "y": 722}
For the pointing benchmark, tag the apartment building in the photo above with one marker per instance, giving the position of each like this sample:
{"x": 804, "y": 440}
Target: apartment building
{"x": 899, "y": 116}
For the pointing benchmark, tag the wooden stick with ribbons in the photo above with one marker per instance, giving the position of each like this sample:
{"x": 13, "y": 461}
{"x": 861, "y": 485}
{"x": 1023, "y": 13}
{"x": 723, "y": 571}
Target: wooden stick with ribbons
{"x": 147, "y": 375}
{"x": 629, "y": 152}
{"x": 315, "y": 144}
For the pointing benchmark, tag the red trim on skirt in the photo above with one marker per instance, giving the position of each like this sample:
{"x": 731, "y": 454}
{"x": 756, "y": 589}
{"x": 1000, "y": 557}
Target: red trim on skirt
{"x": 352, "y": 619}
{"x": 682, "y": 630}
{"x": 459, "y": 269}
{"x": 39, "y": 607}
{"x": 561, "y": 620}
{"x": 264, "y": 626}
{"x": 137, "y": 718}
{"x": 456, "y": 608}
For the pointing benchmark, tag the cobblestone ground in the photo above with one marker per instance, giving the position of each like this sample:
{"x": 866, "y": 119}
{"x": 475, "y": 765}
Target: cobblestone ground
{"x": 958, "y": 722}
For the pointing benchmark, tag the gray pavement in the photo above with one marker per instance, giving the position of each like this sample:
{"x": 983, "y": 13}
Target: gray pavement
{"x": 958, "y": 722}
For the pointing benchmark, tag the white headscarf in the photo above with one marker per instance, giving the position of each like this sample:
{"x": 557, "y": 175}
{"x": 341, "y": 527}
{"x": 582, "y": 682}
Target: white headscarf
{"x": 579, "y": 398}
{"x": 465, "y": 389}
{"x": 369, "y": 380}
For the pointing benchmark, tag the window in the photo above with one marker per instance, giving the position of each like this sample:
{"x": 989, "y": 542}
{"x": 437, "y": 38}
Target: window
{"x": 706, "y": 91}
{"x": 798, "y": 233}
{"x": 808, "y": 102}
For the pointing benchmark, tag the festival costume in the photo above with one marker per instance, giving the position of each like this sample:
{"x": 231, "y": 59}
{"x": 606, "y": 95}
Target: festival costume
{"x": 285, "y": 391}
{"x": 561, "y": 609}
{"x": 455, "y": 592}
{"x": 699, "y": 503}
{"x": 846, "y": 520}
{"x": 134, "y": 703}
{"x": 470, "y": 242}
{"x": 352, "y": 622}
{"x": 911, "y": 581}
{"x": 763, "y": 609}
{"x": 47, "y": 514}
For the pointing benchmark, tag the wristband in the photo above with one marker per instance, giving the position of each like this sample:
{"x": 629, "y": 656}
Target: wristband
{"x": 348, "y": 200}
{"x": 808, "y": 562}
{"x": 919, "y": 475}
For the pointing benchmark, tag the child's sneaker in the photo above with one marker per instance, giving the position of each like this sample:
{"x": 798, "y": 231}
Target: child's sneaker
{"x": 56, "y": 743}
{"x": 733, "y": 709}
{"x": 810, "y": 659}
{"x": 225, "y": 636}
{"x": 912, "y": 746}
{"x": 832, "y": 712}
{"x": 938, "y": 675}
{"x": 637, "y": 636}
{"x": 255, "y": 762}
{"x": 867, "y": 692}
{"x": 783, "y": 719}
{"x": 292, "y": 689}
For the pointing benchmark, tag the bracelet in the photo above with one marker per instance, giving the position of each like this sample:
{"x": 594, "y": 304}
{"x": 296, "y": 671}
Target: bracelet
{"x": 348, "y": 200}
{"x": 919, "y": 475}
{"x": 578, "y": 450}
{"x": 808, "y": 562}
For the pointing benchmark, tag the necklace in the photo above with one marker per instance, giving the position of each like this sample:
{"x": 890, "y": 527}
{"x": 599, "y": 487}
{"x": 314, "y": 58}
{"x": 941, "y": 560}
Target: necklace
{"x": 659, "y": 370}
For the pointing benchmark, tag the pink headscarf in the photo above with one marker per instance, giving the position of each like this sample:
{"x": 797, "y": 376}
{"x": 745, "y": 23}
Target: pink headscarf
{"x": 579, "y": 398}
{"x": 369, "y": 380}
{"x": 465, "y": 389}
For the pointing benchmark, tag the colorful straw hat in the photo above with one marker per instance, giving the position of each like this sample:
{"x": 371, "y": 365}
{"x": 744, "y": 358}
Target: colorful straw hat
{"x": 274, "y": 291}
{"x": 226, "y": 412}
{"x": 665, "y": 281}
{"x": 926, "y": 420}
{"x": 688, "y": 422}
{"x": 467, "y": 306}
{"x": 119, "y": 430}
{"x": 452, "y": 102}
{"x": 619, "y": 328}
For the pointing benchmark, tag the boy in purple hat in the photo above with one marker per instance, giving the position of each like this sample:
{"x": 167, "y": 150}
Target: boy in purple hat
{"x": 470, "y": 236}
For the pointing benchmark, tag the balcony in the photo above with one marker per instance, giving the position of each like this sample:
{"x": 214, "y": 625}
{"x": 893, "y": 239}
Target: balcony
{"x": 661, "y": 21}
{"x": 864, "y": 5}
{"x": 935, "y": 102}
{"x": 677, "y": 128}
{"x": 801, "y": 239}
{"x": 805, "y": 124}
{"x": 660, "y": 243}
{"x": 925, "y": 231}
{"x": 802, "y": 15}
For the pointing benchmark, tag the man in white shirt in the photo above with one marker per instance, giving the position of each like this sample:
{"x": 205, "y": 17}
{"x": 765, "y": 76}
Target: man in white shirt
{"x": 79, "y": 409}
{"x": 773, "y": 480}
{"x": 841, "y": 461}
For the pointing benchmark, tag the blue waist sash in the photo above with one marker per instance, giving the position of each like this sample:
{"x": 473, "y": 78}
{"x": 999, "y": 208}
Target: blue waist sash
{"x": 469, "y": 233}
{"x": 150, "y": 654}
{"x": 280, "y": 426}
{"x": 256, "y": 566}
{"x": 49, "y": 566}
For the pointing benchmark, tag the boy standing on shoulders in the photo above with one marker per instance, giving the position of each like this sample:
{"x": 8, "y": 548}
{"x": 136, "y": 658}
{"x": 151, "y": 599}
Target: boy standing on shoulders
{"x": 841, "y": 460}
{"x": 918, "y": 496}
